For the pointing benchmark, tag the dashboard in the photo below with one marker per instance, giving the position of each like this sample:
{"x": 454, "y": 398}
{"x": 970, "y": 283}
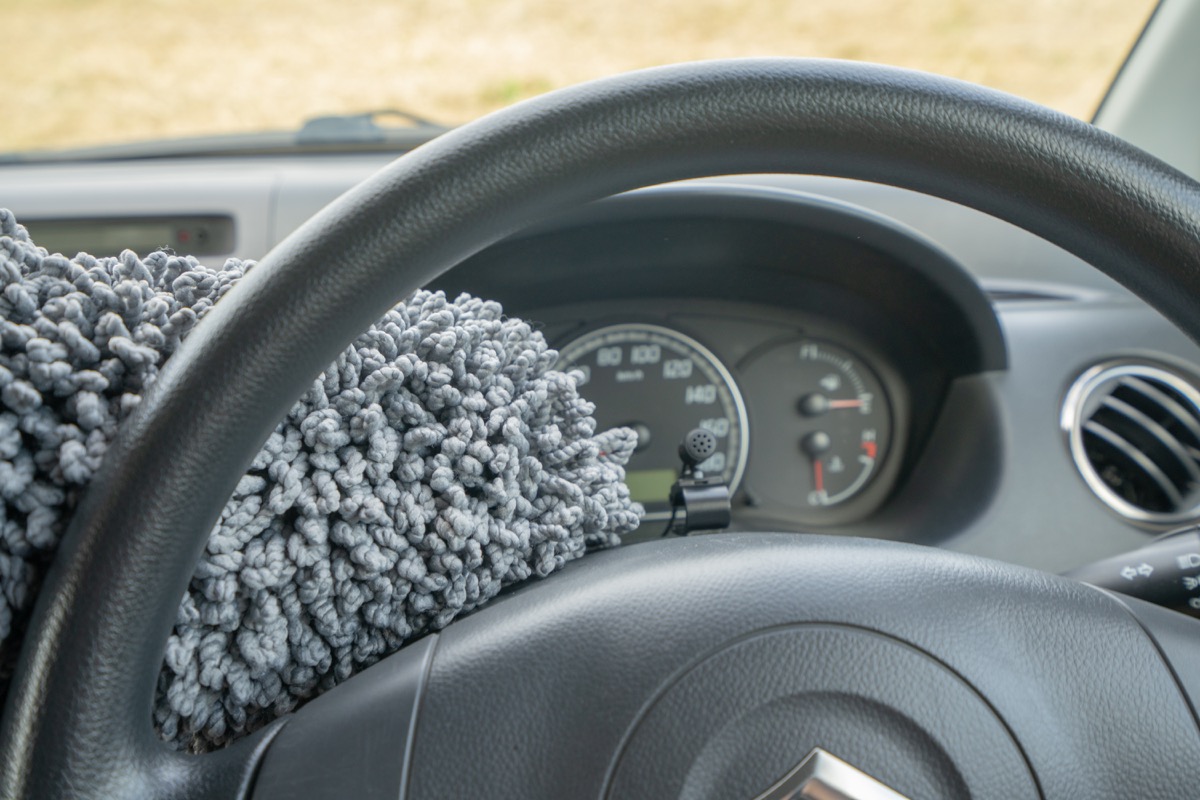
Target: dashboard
{"x": 815, "y": 340}
{"x": 872, "y": 361}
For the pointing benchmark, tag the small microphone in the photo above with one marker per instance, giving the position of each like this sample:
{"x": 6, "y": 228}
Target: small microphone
{"x": 698, "y": 503}
{"x": 696, "y": 447}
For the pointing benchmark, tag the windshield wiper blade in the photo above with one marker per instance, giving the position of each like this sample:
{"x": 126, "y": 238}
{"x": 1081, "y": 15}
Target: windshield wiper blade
{"x": 347, "y": 133}
{"x": 364, "y": 127}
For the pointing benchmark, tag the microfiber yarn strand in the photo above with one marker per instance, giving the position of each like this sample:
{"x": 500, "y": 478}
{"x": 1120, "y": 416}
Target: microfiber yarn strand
{"x": 438, "y": 460}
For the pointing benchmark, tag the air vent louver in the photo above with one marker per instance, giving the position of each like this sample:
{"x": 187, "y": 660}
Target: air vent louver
{"x": 1134, "y": 432}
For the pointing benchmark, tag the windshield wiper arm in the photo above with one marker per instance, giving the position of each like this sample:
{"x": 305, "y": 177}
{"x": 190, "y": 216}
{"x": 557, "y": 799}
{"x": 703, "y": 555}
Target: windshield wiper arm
{"x": 362, "y": 127}
{"x": 324, "y": 134}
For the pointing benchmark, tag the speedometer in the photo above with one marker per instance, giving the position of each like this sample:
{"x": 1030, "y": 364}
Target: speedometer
{"x": 662, "y": 384}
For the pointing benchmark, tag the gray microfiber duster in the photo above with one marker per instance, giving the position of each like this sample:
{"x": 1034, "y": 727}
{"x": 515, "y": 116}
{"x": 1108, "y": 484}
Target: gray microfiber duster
{"x": 438, "y": 460}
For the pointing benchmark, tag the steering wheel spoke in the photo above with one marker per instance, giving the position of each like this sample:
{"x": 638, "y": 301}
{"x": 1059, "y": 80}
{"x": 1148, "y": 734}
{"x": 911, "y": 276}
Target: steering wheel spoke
{"x": 356, "y": 739}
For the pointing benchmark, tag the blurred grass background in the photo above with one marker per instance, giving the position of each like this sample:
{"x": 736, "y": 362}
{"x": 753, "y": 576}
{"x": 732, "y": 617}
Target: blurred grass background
{"x": 85, "y": 72}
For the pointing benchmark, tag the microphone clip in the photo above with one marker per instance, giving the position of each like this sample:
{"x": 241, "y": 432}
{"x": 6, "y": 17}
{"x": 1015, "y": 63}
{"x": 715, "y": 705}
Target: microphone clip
{"x": 698, "y": 503}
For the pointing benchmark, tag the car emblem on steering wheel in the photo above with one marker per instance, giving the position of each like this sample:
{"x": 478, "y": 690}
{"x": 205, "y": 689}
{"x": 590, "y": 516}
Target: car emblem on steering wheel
{"x": 824, "y": 776}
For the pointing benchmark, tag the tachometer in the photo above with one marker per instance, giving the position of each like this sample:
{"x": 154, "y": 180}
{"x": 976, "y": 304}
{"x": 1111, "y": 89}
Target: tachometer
{"x": 662, "y": 384}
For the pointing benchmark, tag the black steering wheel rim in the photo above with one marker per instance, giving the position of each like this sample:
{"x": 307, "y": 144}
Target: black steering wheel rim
{"x": 78, "y": 712}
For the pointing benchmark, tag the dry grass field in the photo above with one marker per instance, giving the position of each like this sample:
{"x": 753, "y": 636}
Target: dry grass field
{"x": 92, "y": 71}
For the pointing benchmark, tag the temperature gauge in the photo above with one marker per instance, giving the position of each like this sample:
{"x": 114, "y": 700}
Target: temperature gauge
{"x": 829, "y": 408}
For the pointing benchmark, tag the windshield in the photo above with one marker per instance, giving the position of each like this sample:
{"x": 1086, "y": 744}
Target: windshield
{"x": 93, "y": 72}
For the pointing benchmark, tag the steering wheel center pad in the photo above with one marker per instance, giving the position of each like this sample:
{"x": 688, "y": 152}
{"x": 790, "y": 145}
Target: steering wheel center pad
{"x": 78, "y": 714}
{"x": 741, "y": 715}
{"x": 934, "y": 672}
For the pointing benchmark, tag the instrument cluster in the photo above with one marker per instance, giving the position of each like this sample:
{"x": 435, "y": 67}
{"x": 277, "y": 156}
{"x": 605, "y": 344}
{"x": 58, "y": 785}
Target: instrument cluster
{"x": 819, "y": 417}
{"x": 817, "y": 341}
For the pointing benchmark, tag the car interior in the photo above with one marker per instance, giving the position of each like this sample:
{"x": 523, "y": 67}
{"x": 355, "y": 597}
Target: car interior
{"x": 945, "y": 341}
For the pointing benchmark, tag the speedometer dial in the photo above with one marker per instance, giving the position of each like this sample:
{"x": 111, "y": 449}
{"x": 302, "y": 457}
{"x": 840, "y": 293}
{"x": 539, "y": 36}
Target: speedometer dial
{"x": 661, "y": 384}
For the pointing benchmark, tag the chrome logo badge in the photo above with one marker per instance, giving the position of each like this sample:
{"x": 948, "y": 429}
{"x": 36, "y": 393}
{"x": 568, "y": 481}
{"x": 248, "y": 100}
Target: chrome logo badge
{"x": 824, "y": 776}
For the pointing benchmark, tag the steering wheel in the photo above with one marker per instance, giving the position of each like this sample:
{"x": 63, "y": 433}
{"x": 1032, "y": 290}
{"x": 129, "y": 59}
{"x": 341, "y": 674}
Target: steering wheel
{"x": 704, "y": 667}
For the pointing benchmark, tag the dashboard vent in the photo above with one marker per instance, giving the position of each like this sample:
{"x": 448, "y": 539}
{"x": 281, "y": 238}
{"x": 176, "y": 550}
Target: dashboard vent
{"x": 1134, "y": 433}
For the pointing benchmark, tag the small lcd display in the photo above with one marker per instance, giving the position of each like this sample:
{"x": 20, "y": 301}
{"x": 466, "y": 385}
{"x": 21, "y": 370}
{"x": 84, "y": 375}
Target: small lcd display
{"x": 650, "y": 485}
{"x": 196, "y": 236}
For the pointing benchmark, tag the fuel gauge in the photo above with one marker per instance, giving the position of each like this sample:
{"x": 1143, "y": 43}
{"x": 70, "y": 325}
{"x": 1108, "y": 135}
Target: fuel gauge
{"x": 843, "y": 417}
{"x": 830, "y": 409}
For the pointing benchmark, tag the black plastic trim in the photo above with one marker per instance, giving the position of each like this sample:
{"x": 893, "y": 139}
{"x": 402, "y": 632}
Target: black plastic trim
{"x": 658, "y": 230}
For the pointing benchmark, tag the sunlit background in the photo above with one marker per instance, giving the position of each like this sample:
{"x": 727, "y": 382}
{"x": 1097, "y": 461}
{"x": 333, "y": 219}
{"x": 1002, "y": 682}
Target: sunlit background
{"x": 84, "y": 72}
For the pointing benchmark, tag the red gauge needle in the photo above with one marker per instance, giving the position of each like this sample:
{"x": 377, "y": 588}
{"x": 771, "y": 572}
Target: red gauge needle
{"x": 845, "y": 403}
{"x": 818, "y": 475}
